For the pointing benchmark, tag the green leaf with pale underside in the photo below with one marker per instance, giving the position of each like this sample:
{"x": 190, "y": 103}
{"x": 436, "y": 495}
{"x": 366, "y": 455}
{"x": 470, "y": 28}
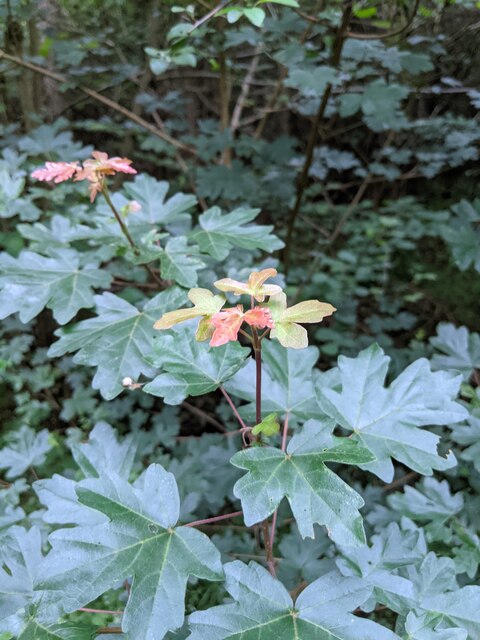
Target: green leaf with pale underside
{"x": 386, "y": 420}
{"x": 32, "y": 282}
{"x": 117, "y": 341}
{"x": 264, "y": 610}
{"x": 218, "y": 233}
{"x": 191, "y": 368}
{"x": 140, "y": 540}
{"x": 287, "y": 382}
{"x": 179, "y": 264}
{"x": 26, "y": 449}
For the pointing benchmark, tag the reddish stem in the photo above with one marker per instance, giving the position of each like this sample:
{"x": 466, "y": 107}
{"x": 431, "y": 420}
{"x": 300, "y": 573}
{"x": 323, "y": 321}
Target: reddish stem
{"x": 234, "y": 408}
{"x": 284, "y": 446}
{"x": 225, "y": 516}
{"x": 257, "y": 349}
{"x": 285, "y": 432}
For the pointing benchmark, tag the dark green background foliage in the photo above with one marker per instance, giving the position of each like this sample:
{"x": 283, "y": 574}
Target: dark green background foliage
{"x": 335, "y": 141}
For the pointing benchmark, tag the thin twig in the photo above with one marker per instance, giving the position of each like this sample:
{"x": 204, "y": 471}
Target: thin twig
{"x": 389, "y": 34}
{"x": 208, "y": 16}
{"x": 349, "y": 210}
{"x": 225, "y": 516}
{"x": 234, "y": 409}
{"x": 204, "y": 416}
{"x": 268, "y": 548}
{"x": 99, "y": 98}
{"x": 127, "y": 235}
{"x": 113, "y": 613}
{"x": 313, "y": 136}
{"x": 400, "y": 482}
{"x": 244, "y": 91}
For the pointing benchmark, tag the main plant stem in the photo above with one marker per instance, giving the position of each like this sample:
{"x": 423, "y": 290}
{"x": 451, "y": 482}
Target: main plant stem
{"x": 284, "y": 447}
{"x": 257, "y": 349}
{"x": 127, "y": 234}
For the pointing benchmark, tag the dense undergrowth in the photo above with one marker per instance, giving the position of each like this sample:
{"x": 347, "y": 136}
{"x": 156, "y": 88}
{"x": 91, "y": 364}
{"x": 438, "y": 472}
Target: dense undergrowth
{"x": 335, "y": 143}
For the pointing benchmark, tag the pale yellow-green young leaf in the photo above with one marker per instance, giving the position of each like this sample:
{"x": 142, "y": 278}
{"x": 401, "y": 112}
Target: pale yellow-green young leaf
{"x": 287, "y": 331}
{"x": 170, "y": 319}
{"x": 253, "y": 287}
{"x": 205, "y": 301}
{"x": 205, "y": 329}
{"x": 206, "y": 304}
{"x": 290, "y": 335}
{"x": 309, "y": 311}
{"x": 268, "y": 426}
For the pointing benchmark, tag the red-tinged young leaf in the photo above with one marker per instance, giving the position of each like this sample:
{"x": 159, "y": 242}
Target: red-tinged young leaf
{"x": 259, "y": 317}
{"x": 56, "y": 171}
{"x": 100, "y": 165}
{"x": 94, "y": 170}
{"x": 227, "y": 324}
{"x": 253, "y": 287}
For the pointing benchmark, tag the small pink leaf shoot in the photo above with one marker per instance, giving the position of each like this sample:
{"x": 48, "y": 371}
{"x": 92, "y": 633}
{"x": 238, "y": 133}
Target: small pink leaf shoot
{"x": 56, "y": 171}
{"x": 94, "y": 170}
{"x": 228, "y": 322}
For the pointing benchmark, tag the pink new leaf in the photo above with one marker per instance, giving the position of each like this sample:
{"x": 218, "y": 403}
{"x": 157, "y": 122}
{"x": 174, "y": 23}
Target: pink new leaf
{"x": 227, "y": 324}
{"x": 56, "y": 171}
{"x": 259, "y": 317}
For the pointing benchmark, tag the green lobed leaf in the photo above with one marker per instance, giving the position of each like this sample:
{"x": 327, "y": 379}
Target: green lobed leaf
{"x": 140, "y": 541}
{"x": 315, "y": 493}
{"x": 156, "y": 209}
{"x": 118, "y": 340}
{"x": 21, "y": 555}
{"x": 263, "y": 610}
{"x": 178, "y": 263}
{"x": 459, "y": 608}
{"x": 217, "y": 233}
{"x": 26, "y": 449}
{"x": 191, "y": 368}
{"x": 469, "y": 436}
{"x": 312, "y": 82}
{"x": 378, "y": 566}
{"x": 387, "y": 420}
{"x": 103, "y": 453}
{"x": 380, "y": 104}
{"x": 429, "y": 627}
{"x": 287, "y": 382}
{"x": 460, "y": 349}
{"x": 34, "y": 630}
{"x": 429, "y": 500}
{"x": 32, "y": 282}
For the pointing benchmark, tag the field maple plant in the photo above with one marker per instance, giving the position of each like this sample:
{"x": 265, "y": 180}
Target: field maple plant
{"x": 193, "y": 445}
